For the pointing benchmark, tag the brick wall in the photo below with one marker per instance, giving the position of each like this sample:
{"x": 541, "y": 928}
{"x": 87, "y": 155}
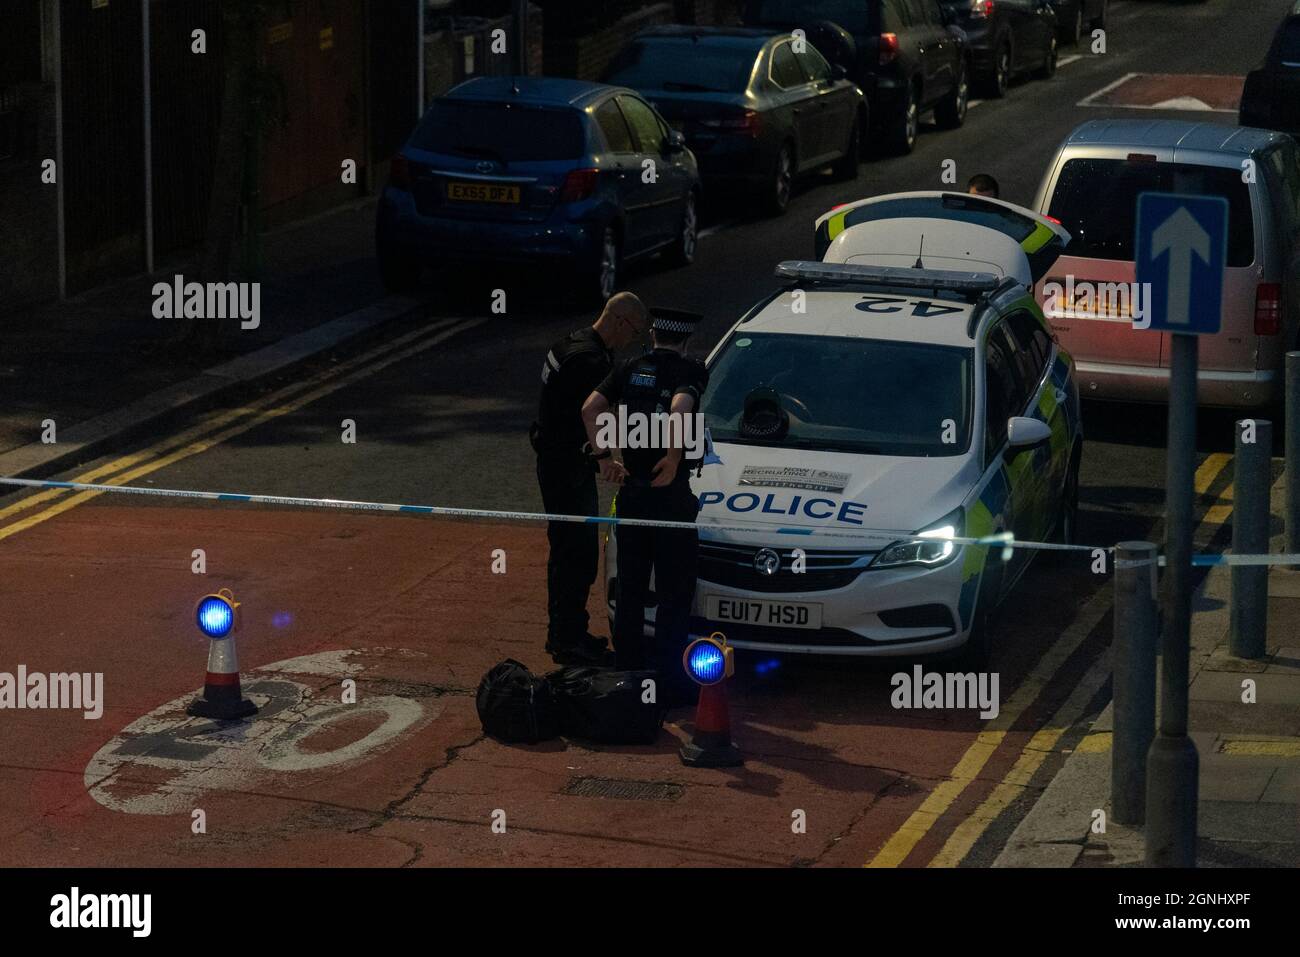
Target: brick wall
{"x": 708, "y": 12}
{"x": 444, "y": 55}
{"x": 585, "y": 57}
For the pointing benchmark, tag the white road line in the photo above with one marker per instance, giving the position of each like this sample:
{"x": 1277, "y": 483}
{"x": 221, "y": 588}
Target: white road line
{"x": 1067, "y": 60}
{"x": 1087, "y": 100}
{"x": 716, "y": 229}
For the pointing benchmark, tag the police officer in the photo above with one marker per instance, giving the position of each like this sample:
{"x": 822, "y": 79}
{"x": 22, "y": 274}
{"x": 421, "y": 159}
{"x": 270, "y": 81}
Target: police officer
{"x": 656, "y": 485}
{"x": 574, "y": 366}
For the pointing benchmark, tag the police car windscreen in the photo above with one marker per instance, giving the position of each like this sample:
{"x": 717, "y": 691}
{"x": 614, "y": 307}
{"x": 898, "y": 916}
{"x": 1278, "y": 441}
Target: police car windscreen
{"x": 866, "y": 396}
{"x": 504, "y": 132}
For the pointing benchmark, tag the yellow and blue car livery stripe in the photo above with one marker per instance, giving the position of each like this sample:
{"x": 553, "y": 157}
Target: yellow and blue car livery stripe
{"x": 1036, "y": 240}
{"x": 828, "y": 230}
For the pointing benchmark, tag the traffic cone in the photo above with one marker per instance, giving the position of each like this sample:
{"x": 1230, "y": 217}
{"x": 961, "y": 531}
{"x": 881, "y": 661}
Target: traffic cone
{"x": 222, "y": 697}
{"x": 710, "y": 746}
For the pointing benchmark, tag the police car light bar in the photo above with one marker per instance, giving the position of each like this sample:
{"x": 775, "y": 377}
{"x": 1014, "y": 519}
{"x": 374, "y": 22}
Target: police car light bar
{"x": 971, "y": 283}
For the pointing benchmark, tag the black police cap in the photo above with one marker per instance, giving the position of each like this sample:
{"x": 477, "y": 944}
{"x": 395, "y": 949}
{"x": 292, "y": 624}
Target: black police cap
{"x": 677, "y": 321}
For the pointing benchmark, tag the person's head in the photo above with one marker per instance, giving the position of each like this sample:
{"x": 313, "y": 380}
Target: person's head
{"x": 669, "y": 340}
{"x": 623, "y": 321}
{"x": 982, "y": 184}
{"x": 671, "y": 328}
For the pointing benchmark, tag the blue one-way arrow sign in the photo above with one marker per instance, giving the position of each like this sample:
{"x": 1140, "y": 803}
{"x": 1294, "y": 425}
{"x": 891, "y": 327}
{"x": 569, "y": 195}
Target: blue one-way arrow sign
{"x": 1181, "y": 250}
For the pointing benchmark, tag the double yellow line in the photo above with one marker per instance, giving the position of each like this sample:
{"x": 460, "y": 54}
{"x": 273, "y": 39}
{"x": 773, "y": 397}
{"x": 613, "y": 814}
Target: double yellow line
{"x": 221, "y": 426}
{"x": 967, "y": 770}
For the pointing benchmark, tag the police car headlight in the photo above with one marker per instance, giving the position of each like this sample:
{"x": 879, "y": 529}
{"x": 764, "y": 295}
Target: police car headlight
{"x": 918, "y": 551}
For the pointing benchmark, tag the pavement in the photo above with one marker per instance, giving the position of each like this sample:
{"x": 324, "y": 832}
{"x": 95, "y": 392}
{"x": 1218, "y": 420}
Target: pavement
{"x": 1249, "y": 779}
{"x": 102, "y": 368}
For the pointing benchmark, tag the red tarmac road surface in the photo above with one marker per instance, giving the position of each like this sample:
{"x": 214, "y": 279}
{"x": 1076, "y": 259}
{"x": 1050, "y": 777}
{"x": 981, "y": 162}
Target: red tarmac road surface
{"x": 410, "y": 610}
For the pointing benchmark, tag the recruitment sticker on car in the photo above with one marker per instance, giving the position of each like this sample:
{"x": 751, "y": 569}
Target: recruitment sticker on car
{"x": 482, "y": 193}
{"x": 768, "y": 614}
{"x": 815, "y": 480}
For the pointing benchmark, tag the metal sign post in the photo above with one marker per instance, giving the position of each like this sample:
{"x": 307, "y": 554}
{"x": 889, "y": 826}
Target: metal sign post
{"x": 1181, "y": 250}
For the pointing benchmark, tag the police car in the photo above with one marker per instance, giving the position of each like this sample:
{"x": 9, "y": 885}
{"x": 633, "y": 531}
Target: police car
{"x": 947, "y": 230}
{"x": 861, "y": 417}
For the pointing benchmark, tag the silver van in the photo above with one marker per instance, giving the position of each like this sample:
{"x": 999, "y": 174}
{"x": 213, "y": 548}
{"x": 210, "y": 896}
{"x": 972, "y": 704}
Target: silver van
{"x": 1091, "y": 188}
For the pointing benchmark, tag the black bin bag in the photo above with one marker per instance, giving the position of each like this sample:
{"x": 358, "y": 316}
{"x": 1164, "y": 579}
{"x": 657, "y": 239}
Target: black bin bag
{"x": 515, "y": 706}
{"x": 607, "y": 707}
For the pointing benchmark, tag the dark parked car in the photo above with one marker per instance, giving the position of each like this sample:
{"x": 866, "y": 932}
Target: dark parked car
{"x": 1271, "y": 98}
{"x": 1007, "y": 38}
{"x": 906, "y": 55}
{"x": 525, "y": 170}
{"x": 1074, "y": 17}
{"x": 756, "y": 108}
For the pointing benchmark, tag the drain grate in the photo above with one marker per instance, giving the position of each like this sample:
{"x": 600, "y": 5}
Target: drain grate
{"x": 624, "y": 790}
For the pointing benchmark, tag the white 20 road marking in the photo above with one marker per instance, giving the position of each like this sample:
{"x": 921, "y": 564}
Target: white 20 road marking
{"x": 160, "y": 763}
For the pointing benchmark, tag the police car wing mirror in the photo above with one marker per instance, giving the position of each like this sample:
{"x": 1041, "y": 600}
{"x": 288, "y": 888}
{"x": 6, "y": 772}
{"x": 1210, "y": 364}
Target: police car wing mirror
{"x": 1024, "y": 432}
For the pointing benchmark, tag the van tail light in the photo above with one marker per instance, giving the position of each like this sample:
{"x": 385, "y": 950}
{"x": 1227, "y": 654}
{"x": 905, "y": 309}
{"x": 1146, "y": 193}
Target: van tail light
{"x": 579, "y": 184}
{"x": 1268, "y": 309}
{"x": 399, "y": 173}
{"x": 981, "y": 8}
{"x": 888, "y": 48}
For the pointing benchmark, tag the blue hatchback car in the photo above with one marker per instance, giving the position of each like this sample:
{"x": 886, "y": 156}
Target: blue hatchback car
{"x": 536, "y": 170}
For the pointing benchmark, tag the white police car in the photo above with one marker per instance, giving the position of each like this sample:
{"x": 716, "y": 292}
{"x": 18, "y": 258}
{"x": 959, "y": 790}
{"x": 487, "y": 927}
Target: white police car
{"x": 947, "y": 230}
{"x": 862, "y": 414}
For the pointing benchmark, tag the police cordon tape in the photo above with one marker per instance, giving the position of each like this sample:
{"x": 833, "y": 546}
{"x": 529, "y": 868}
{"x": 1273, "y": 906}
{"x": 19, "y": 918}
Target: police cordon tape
{"x": 1003, "y": 539}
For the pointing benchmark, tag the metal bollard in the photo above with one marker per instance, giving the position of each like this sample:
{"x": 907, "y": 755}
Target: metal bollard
{"x": 1292, "y": 517}
{"x": 1134, "y": 678}
{"x": 1250, "y": 515}
{"x": 1173, "y": 766}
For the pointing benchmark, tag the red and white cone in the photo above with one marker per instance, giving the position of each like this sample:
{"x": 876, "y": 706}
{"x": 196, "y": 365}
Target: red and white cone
{"x": 710, "y": 746}
{"x": 222, "y": 699}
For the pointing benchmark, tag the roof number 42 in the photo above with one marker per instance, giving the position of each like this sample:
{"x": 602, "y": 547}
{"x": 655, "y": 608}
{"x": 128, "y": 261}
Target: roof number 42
{"x": 921, "y": 307}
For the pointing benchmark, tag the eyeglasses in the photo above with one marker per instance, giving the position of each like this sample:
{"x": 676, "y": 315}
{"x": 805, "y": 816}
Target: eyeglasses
{"x": 637, "y": 331}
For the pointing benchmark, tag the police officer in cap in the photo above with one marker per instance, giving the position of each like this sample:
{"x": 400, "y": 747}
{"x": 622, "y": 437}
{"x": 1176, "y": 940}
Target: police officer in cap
{"x": 567, "y": 474}
{"x": 655, "y": 485}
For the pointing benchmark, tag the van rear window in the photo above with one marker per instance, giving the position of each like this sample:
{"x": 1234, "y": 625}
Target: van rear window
{"x": 1096, "y": 200}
